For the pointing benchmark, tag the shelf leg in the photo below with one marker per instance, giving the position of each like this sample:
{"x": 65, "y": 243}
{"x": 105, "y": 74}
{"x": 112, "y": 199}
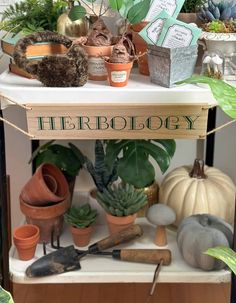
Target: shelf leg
{"x": 4, "y": 241}
{"x": 233, "y": 280}
{"x": 210, "y": 141}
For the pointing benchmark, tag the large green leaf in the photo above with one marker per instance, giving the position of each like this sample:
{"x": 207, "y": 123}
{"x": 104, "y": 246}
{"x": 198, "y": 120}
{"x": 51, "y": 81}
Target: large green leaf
{"x": 116, "y": 4}
{"x": 225, "y": 254}
{"x": 134, "y": 164}
{"x": 77, "y": 12}
{"x": 5, "y": 296}
{"x": 126, "y": 5}
{"x": 138, "y": 11}
{"x": 224, "y": 93}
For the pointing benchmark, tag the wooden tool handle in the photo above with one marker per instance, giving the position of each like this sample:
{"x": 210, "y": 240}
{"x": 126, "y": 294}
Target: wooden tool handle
{"x": 123, "y": 236}
{"x": 152, "y": 256}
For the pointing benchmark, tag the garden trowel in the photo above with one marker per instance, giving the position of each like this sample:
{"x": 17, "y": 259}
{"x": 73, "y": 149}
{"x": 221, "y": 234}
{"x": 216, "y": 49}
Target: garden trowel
{"x": 68, "y": 258}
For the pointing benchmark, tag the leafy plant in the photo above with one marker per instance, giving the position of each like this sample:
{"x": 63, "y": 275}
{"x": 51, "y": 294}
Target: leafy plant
{"x": 5, "y": 296}
{"x": 81, "y": 217}
{"x": 99, "y": 171}
{"x": 190, "y": 6}
{"x": 224, "y": 93}
{"x": 28, "y": 16}
{"x": 121, "y": 200}
{"x": 69, "y": 159}
{"x": 225, "y": 254}
{"x": 134, "y": 164}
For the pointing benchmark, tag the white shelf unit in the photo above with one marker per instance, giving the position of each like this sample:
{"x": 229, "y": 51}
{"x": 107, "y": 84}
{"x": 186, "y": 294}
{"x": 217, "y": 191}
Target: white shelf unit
{"x": 100, "y": 269}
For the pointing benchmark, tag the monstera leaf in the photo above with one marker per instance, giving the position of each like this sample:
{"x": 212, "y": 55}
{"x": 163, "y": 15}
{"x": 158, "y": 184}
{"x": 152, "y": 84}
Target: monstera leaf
{"x": 224, "y": 93}
{"x": 225, "y": 254}
{"x": 5, "y": 296}
{"x": 134, "y": 166}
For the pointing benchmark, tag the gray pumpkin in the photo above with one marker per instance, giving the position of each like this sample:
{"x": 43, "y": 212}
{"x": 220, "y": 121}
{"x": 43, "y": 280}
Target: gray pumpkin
{"x": 197, "y": 233}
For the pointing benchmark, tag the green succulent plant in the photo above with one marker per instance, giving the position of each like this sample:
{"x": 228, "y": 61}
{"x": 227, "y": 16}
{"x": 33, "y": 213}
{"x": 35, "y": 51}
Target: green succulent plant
{"x": 214, "y": 10}
{"x": 29, "y": 16}
{"x": 81, "y": 217}
{"x": 134, "y": 166}
{"x": 102, "y": 175}
{"x": 69, "y": 159}
{"x": 121, "y": 200}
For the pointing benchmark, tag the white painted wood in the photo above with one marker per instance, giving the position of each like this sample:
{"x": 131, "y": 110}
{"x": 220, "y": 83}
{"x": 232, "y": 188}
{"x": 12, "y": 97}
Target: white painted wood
{"x": 139, "y": 90}
{"x": 106, "y": 270}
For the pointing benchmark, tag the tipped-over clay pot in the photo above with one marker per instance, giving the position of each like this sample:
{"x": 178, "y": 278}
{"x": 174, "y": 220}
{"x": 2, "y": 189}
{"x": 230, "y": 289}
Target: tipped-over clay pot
{"x": 47, "y": 185}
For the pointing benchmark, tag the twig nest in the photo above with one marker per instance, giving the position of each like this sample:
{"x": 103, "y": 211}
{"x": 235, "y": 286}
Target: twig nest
{"x": 99, "y": 35}
{"x": 161, "y": 215}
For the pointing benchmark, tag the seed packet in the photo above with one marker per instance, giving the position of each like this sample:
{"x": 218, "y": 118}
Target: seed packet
{"x": 151, "y": 32}
{"x": 172, "y": 7}
{"x": 178, "y": 34}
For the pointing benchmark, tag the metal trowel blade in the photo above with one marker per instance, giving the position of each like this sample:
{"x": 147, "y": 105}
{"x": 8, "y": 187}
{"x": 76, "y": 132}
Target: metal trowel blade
{"x": 58, "y": 262}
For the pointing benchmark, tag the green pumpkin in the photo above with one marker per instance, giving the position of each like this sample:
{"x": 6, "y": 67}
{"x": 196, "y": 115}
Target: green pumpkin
{"x": 197, "y": 233}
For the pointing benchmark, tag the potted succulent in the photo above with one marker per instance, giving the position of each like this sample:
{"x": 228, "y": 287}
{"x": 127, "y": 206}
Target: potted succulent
{"x": 219, "y": 31}
{"x": 69, "y": 159}
{"x": 121, "y": 203}
{"x": 80, "y": 220}
{"x": 134, "y": 165}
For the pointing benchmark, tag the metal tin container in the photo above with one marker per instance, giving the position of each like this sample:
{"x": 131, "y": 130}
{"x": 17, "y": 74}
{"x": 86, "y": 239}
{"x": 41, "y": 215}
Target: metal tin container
{"x": 170, "y": 65}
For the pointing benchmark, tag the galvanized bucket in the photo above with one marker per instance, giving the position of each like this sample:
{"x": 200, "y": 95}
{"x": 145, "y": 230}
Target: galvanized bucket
{"x": 170, "y": 65}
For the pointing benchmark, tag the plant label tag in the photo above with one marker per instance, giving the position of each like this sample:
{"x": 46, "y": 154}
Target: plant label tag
{"x": 151, "y": 32}
{"x": 172, "y": 7}
{"x": 96, "y": 66}
{"x": 177, "y": 34}
{"x": 118, "y": 76}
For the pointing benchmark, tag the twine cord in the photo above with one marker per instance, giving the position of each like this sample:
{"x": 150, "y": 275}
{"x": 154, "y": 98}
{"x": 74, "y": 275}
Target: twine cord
{"x": 219, "y": 128}
{"x": 16, "y": 103}
{"x": 16, "y": 127}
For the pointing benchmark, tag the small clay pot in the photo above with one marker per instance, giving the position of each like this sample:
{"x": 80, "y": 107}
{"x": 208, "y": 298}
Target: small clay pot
{"x": 48, "y": 218}
{"x": 118, "y": 73}
{"x": 96, "y": 67}
{"x": 81, "y": 236}
{"x": 26, "y": 238}
{"x": 47, "y": 185}
{"x": 116, "y": 224}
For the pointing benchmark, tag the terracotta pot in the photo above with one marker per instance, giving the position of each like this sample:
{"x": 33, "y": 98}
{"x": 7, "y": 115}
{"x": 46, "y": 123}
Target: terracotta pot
{"x": 81, "y": 236}
{"x": 115, "y": 224}
{"x": 48, "y": 218}
{"x": 25, "y": 238}
{"x": 118, "y": 73}
{"x": 152, "y": 193}
{"x": 140, "y": 47}
{"x": 48, "y": 184}
{"x": 96, "y": 65}
{"x": 189, "y": 18}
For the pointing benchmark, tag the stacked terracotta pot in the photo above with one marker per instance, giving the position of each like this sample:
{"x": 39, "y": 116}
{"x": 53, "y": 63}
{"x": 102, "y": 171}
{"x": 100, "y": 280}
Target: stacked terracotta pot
{"x": 44, "y": 200}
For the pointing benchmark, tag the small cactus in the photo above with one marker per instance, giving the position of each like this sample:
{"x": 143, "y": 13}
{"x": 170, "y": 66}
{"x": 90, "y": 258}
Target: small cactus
{"x": 81, "y": 217}
{"x": 213, "y": 10}
{"x": 121, "y": 200}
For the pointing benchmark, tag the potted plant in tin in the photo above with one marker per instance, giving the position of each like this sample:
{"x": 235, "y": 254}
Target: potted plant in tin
{"x": 121, "y": 203}
{"x": 134, "y": 165}
{"x": 68, "y": 159}
{"x": 80, "y": 220}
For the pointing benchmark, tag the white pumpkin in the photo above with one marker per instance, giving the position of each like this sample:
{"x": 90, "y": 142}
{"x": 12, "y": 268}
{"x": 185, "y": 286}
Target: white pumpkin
{"x": 198, "y": 189}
